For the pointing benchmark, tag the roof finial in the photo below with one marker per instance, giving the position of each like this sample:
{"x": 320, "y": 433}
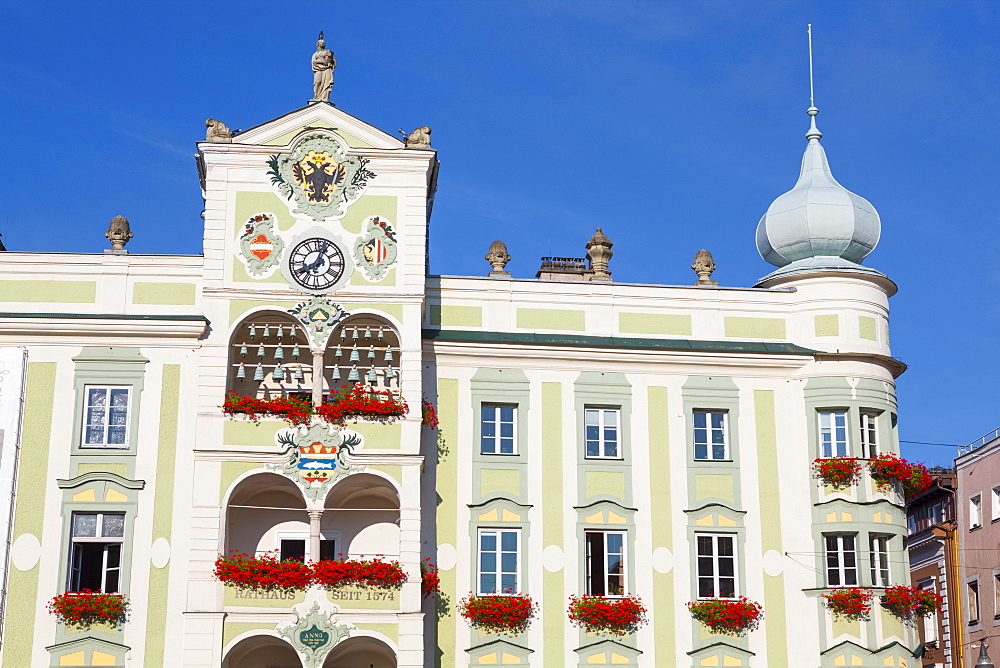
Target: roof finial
{"x": 814, "y": 132}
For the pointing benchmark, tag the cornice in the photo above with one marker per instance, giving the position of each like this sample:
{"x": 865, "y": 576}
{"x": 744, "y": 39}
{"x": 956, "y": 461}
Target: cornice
{"x": 105, "y": 325}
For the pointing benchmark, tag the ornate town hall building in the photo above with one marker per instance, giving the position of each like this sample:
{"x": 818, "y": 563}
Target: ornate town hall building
{"x": 594, "y": 437}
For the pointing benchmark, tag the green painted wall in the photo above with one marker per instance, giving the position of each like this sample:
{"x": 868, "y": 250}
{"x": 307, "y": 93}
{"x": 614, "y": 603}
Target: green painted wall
{"x": 604, "y": 483}
{"x": 370, "y": 205}
{"x": 447, "y": 514}
{"x": 827, "y": 325}
{"x": 245, "y": 432}
{"x": 358, "y": 278}
{"x": 385, "y": 436}
{"x": 553, "y": 591}
{"x": 231, "y": 630}
{"x": 455, "y": 316}
{"x": 29, "y": 510}
{"x": 713, "y": 486}
{"x": 166, "y": 454}
{"x": 178, "y": 294}
{"x": 251, "y": 203}
{"x": 350, "y": 139}
{"x": 754, "y": 328}
{"x": 551, "y": 318}
{"x": 61, "y": 292}
{"x": 231, "y": 471}
{"x": 867, "y": 328}
{"x": 662, "y": 605}
{"x": 502, "y": 481}
{"x": 117, "y": 469}
{"x": 654, "y": 323}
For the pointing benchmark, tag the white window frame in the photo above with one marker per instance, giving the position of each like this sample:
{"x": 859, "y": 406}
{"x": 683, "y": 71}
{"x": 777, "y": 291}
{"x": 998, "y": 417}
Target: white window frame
{"x": 878, "y": 553}
{"x": 304, "y": 535}
{"x": 840, "y": 554}
{"x": 931, "y": 623}
{"x": 107, "y": 414}
{"x": 996, "y": 508}
{"x": 710, "y": 432}
{"x": 716, "y": 561}
{"x": 972, "y": 594}
{"x": 602, "y": 427}
{"x": 73, "y": 583}
{"x": 499, "y": 572}
{"x": 606, "y": 575}
{"x": 826, "y": 421}
{"x": 975, "y": 511}
{"x": 869, "y": 434}
{"x": 497, "y": 423}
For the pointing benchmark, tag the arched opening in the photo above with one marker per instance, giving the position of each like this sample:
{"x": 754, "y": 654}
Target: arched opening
{"x": 269, "y": 356}
{"x": 363, "y": 349}
{"x": 363, "y": 509}
{"x": 361, "y": 652}
{"x": 262, "y": 652}
{"x": 266, "y": 512}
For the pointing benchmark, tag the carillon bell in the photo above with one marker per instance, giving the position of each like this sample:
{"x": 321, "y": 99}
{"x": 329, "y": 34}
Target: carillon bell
{"x": 371, "y": 352}
{"x": 258, "y": 373}
{"x": 388, "y": 355}
{"x": 381, "y": 334}
{"x": 336, "y": 373}
{"x": 354, "y": 355}
{"x": 355, "y": 334}
{"x": 338, "y": 352}
{"x": 253, "y": 331}
{"x": 241, "y": 372}
{"x": 298, "y": 373}
{"x": 389, "y": 373}
{"x": 368, "y": 332}
{"x": 354, "y": 374}
{"x": 372, "y": 376}
{"x": 243, "y": 350}
{"x": 281, "y": 331}
{"x": 295, "y": 350}
{"x": 343, "y": 332}
{"x": 279, "y": 373}
{"x": 260, "y": 351}
{"x": 279, "y": 353}
{"x": 267, "y": 331}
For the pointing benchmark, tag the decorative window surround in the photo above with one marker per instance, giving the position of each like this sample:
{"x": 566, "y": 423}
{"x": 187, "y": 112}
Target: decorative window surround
{"x": 878, "y": 554}
{"x": 833, "y": 433}
{"x": 715, "y": 565}
{"x": 500, "y": 387}
{"x": 109, "y": 367}
{"x": 499, "y": 561}
{"x": 711, "y": 435}
{"x": 869, "y": 434}
{"x": 602, "y": 432}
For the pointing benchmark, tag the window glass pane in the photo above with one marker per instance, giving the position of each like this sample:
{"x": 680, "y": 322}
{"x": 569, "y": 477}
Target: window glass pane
{"x": 727, "y": 567}
{"x": 95, "y": 435}
{"x": 488, "y": 562}
{"x": 507, "y": 429}
{"x": 119, "y": 397}
{"x": 489, "y": 429}
{"x": 701, "y": 451}
{"x": 611, "y": 418}
{"x": 507, "y": 446}
{"x": 95, "y": 416}
{"x": 487, "y": 412}
{"x": 508, "y": 541}
{"x": 85, "y": 525}
{"x": 718, "y": 420}
{"x": 118, "y": 416}
{"x": 616, "y": 543}
{"x": 591, "y": 416}
{"x": 488, "y": 583}
{"x": 97, "y": 396}
{"x": 718, "y": 451}
{"x": 113, "y": 525}
{"x": 706, "y": 588}
{"x": 488, "y": 542}
{"x": 727, "y": 587}
{"x": 507, "y": 413}
{"x": 508, "y": 583}
{"x": 725, "y": 546}
{"x": 114, "y": 555}
{"x": 704, "y": 545}
{"x": 699, "y": 420}
{"x": 508, "y": 562}
{"x": 116, "y": 435}
{"x": 718, "y": 436}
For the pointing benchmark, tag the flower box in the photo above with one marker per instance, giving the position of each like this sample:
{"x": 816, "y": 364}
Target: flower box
{"x": 613, "y": 616}
{"x": 885, "y": 468}
{"x": 88, "y": 608}
{"x": 430, "y": 579}
{"x": 838, "y": 472}
{"x": 364, "y": 573}
{"x": 852, "y": 603}
{"x": 428, "y": 415}
{"x": 352, "y": 402}
{"x": 266, "y": 572}
{"x": 733, "y": 617}
{"x": 908, "y": 602}
{"x": 496, "y": 613}
{"x": 296, "y": 410}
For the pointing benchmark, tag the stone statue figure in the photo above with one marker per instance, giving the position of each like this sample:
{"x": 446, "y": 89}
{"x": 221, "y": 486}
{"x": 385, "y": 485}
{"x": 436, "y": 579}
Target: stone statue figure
{"x": 217, "y": 131}
{"x": 419, "y": 138}
{"x": 118, "y": 233}
{"x": 323, "y": 64}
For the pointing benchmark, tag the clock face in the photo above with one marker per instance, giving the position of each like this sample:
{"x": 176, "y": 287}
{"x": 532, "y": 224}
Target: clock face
{"x": 316, "y": 263}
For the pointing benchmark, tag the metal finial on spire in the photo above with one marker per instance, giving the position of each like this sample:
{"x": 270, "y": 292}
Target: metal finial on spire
{"x": 814, "y": 132}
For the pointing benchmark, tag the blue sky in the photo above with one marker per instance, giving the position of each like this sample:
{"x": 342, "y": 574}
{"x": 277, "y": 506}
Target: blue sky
{"x": 672, "y": 125}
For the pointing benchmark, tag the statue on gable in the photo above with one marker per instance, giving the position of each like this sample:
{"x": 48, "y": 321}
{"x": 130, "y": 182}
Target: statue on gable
{"x": 323, "y": 64}
{"x": 218, "y": 131}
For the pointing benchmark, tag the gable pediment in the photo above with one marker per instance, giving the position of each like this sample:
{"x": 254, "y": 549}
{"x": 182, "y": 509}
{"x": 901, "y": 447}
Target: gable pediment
{"x": 283, "y": 130}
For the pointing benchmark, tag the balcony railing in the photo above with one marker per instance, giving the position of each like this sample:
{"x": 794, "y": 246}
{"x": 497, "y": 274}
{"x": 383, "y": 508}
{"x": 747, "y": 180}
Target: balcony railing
{"x": 979, "y": 442}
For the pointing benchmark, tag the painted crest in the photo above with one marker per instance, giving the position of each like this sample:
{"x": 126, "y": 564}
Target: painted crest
{"x": 375, "y": 249}
{"x": 319, "y": 176}
{"x": 320, "y": 316}
{"x": 313, "y": 636}
{"x": 260, "y": 245}
{"x": 317, "y": 456}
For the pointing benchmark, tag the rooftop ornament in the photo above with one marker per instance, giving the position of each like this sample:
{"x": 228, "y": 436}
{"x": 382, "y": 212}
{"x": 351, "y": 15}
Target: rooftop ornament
{"x": 323, "y": 64}
{"x": 419, "y": 138}
{"x": 599, "y": 251}
{"x": 498, "y": 258}
{"x": 704, "y": 266}
{"x": 118, "y": 234}
{"x": 218, "y": 132}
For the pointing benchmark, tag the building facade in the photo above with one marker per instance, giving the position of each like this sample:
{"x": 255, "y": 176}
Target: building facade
{"x": 594, "y": 438}
{"x": 932, "y": 546}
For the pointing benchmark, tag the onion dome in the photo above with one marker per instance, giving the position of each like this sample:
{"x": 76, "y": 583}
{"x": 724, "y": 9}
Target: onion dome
{"x": 818, "y": 225}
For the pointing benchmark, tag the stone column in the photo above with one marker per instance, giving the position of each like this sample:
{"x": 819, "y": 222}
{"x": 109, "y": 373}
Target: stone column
{"x": 318, "y": 376}
{"x": 315, "y": 516}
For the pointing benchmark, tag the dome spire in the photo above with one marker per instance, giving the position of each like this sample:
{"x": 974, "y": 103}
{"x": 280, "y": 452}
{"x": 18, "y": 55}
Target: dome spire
{"x": 814, "y": 132}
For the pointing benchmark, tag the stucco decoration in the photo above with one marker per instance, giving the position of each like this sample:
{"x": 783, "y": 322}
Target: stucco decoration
{"x": 316, "y": 456}
{"x": 599, "y": 251}
{"x": 159, "y": 553}
{"x": 553, "y": 559}
{"x": 498, "y": 257}
{"x": 773, "y": 563}
{"x": 313, "y": 636}
{"x": 260, "y": 245}
{"x": 663, "y": 560}
{"x": 319, "y": 176}
{"x": 704, "y": 265}
{"x": 320, "y": 316}
{"x": 375, "y": 250}
{"x": 25, "y": 552}
{"x": 447, "y": 556}
{"x": 419, "y": 138}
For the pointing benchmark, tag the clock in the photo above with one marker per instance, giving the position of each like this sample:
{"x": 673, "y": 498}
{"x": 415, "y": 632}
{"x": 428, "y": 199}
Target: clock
{"x": 317, "y": 264}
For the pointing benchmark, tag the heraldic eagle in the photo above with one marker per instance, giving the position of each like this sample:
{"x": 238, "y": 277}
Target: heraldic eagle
{"x": 320, "y": 179}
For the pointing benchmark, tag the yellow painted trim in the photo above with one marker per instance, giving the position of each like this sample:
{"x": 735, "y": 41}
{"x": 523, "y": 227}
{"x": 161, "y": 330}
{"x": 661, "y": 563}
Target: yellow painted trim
{"x": 491, "y": 516}
{"x": 171, "y": 294}
{"x": 114, "y": 496}
{"x": 551, "y": 318}
{"x": 85, "y": 495}
{"x": 74, "y": 659}
{"x": 102, "y": 659}
{"x": 61, "y": 292}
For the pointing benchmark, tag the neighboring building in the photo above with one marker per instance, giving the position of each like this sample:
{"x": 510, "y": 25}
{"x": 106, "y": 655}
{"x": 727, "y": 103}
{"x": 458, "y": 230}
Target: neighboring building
{"x": 933, "y": 550}
{"x": 978, "y": 517}
{"x": 595, "y": 437}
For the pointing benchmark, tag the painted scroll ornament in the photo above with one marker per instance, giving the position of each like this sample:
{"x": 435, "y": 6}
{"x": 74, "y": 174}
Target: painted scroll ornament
{"x": 260, "y": 245}
{"x": 313, "y": 636}
{"x": 375, "y": 250}
{"x": 320, "y": 316}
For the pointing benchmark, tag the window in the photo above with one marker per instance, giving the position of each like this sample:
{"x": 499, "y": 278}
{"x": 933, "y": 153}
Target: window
{"x": 710, "y": 435}
{"x": 911, "y": 522}
{"x": 106, "y": 417}
{"x": 936, "y": 513}
{"x": 879, "y": 560}
{"x": 498, "y": 427}
{"x": 296, "y": 548}
{"x": 930, "y": 621}
{"x": 498, "y": 561}
{"x": 975, "y": 512}
{"x": 869, "y": 435}
{"x": 996, "y": 596}
{"x": 716, "y": 566}
{"x": 996, "y": 504}
{"x": 973, "y": 602}
{"x": 606, "y": 563}
{"x": 602, "y": 433}
{"x": 96, "y": 559}
{"x": 841, "y": 560}
{"x": 833, "y": 433}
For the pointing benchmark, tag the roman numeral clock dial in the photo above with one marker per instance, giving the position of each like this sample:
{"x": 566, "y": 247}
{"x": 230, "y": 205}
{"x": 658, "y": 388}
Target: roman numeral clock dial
{"x": 316, "y": 264}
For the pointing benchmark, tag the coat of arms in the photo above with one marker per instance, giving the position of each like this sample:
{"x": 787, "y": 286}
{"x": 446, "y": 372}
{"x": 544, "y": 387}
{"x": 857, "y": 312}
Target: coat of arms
{"x": 320, "y": 316}
{"x": 260, "y": 246}
{"x": 317, "y": 456}
{"x": 319, "y": 176}
{"x": 375, "y": 249}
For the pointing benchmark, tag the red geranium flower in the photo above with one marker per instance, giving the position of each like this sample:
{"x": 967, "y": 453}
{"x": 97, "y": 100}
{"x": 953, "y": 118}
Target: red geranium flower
{"x": 614, "y": 616}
